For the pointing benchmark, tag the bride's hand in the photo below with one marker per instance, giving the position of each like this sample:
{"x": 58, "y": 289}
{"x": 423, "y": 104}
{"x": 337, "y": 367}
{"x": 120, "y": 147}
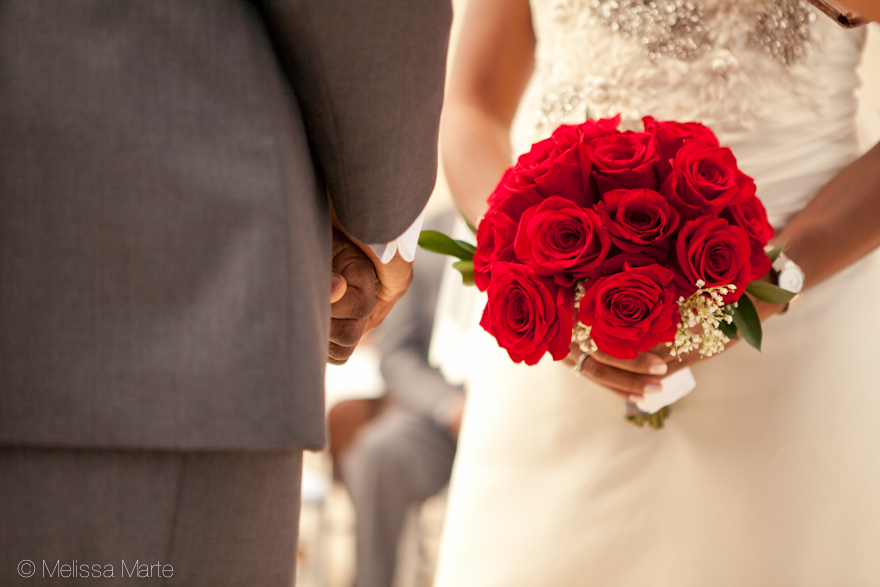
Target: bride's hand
{"x": 631, "y": 379}
{"x": 628, "y": 378}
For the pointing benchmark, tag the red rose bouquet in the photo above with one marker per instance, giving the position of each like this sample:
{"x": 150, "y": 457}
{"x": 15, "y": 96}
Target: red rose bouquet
{"x": 620, "y": 241}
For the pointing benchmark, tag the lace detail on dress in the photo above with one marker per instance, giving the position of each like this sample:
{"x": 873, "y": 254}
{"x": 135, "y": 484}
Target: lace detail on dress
{"x": 725, "y": 63}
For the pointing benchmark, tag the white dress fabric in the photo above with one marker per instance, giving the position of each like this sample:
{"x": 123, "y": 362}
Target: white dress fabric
{"x": 767, "y": 473}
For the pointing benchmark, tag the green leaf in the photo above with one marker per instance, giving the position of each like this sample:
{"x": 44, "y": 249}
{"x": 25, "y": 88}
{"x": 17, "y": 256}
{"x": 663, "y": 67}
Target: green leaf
{"x": 467, "y": 246}
{"x": 777, "y": 250}
{"x": 464, "y": 265}
{"x": 466, "y": 268}
{"x": 767, "y": 292}
{"x": 588, "y": 113}
{"x": 745, "y": 317}
{"x": 729, "y": 330}
{"x": 437, "y": 242}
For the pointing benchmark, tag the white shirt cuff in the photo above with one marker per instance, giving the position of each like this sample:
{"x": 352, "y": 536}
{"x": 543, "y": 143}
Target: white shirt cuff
{"x": 406, "y": 243}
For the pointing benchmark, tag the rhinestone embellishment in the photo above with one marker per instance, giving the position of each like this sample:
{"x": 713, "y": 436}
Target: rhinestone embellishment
{"x": 562, "y": 102}
{"x": 674, "y": 28}
{"x": 679, "y": 28}
{"x": 784, "y": 30}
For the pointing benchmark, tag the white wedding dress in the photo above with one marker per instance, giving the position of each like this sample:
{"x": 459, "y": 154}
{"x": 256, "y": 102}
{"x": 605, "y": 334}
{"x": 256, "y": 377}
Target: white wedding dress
{"x": 768, "y": 473}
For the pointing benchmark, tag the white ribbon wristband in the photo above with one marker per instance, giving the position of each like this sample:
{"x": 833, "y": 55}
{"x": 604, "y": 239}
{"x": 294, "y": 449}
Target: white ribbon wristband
{"x": 675, "y": 387}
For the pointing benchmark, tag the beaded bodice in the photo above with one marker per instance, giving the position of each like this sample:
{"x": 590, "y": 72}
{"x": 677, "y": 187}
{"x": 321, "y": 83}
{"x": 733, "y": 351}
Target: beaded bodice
{"x": 746, "y": 68}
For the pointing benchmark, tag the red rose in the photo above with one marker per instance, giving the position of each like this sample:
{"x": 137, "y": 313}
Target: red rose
{"x": 752, "y": 217}
{"x": 587, "y": 132}
{"x": 671, "y": 136}
{"x": 638, "y": 221}
{"x": 705, "y": 180}
{"x": 510, "y": 198}
{"x": 495, "y": 237}
{"x": 714, "y": 251}
{"x": 625, "y": 160}
{"x": 632, "y": 311}
{"x": 561, "y": 239}
{"x": 558, "y": 166}
{"x": 616, "y": 262}
{"x": 527, "y": 314}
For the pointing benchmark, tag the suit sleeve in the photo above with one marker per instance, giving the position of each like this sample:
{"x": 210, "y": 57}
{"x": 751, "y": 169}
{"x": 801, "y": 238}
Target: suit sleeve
{"x": 368, "y": 77}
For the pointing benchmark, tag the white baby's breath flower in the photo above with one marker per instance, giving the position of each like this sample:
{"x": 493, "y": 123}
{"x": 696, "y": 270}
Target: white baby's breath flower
{"x": 580, "y": 291}
{"x": 581, "y": 332}
{"x": 705, "y": 308}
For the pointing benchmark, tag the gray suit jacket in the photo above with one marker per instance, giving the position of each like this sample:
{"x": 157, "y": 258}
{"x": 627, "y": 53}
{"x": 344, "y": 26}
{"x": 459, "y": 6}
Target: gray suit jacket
{"x": 164, "y": 227}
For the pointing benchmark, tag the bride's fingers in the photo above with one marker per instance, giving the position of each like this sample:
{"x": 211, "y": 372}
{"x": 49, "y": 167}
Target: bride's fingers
{"x": 631, "y": 398}
{"x": 645, "y": 363}
{"x": 618, "y": 380}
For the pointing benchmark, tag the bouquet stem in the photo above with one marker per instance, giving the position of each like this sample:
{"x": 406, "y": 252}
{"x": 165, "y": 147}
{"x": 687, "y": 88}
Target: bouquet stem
{"x": 640, "y": 418}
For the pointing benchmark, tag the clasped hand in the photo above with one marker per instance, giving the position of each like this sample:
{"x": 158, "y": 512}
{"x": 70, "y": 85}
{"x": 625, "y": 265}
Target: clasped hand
{"x": 363, "y": 291}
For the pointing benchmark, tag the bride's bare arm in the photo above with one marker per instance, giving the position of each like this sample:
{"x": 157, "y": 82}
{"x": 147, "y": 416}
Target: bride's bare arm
{"x": 492, "y": 65}
{"x": 840, "y": 225}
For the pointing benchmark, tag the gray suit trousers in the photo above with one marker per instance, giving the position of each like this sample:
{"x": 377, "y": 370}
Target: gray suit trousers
{"x": 207, "y": 518}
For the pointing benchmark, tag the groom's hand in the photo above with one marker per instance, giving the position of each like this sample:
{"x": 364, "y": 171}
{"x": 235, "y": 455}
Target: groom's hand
{"x": 395, "y": 277}
{"x": 354, "y": 297}
{"x": 363, "y": 291}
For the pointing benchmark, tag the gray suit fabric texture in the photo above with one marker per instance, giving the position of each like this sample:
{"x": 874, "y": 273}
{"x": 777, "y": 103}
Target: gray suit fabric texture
{"x": 404, "y": 456}
{"x": 166, "y": 173}
{"x": 165, "y": 238}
